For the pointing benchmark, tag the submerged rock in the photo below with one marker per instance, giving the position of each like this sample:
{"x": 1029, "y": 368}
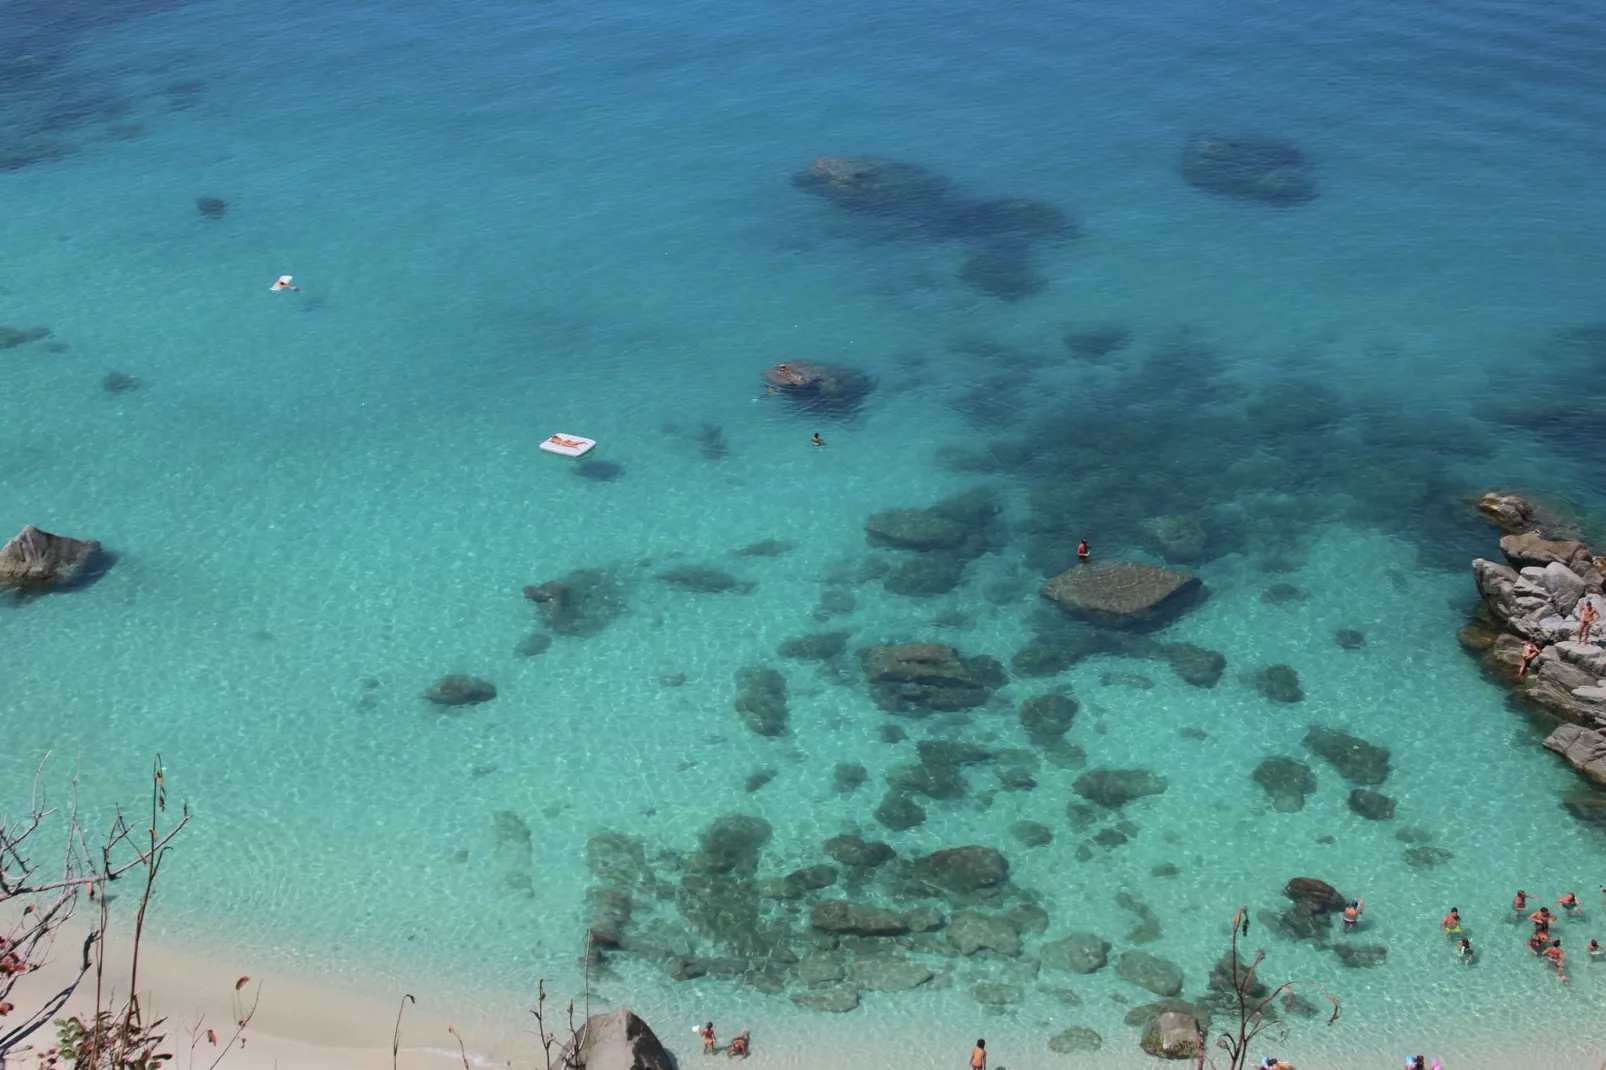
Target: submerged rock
{"x": 460, "y": 690}
{"x": 964, "y": 869}
{"x": 884, "y": 973}
{"x": 705, "y": 580}
{"x": 970, "y": 931}
{"x": 1356, "y": 760}
{"x": 1287, "y": 781}
{"x": 1075, "y": 1039}
{"x": 1358, "y": 956}
{"x": 1350, "y": 638}
{"x": 1114, "y": 788}
{"x": 1004, "y": 271}
{"x": 840, "y": 916}
{"x": 212, "y": 207}
{"x": 1076, "y": 953}
{"x": 819, "y": 646}
{"x": 1096, "y": 343}
{"x": 875, "y": 186}
{"x": 1372, "y": 805}
{"x": 38, "y": 559}
{"x": 1172, "y": 1035}
{"x": 580, "y": 604}
{"x": 1047, "y": 717}
{"x": 1158, "y": 975}
{"x": 916, "y": 678}
{"x": 12, "y": 337}
{"x": 832, "y": 390}
{"x": 1279, "y": 683}
{"x": 899, "y": 812}
{"x": 761, "y": 701}
{"x": 731, "y": 845}
{"x": 831, "y": 1000}
{"x": 925, "y": 576}
{"x": 851, "y": 850}
{"x": 1258, "y": 169}
{"x": 1123, "y": 594}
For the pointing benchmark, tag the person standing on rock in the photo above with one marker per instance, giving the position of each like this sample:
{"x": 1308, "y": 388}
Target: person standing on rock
{"x": 978, "y": 1056}
{"x": 1529, "y": 652}
{"x": 1587, "y": 616}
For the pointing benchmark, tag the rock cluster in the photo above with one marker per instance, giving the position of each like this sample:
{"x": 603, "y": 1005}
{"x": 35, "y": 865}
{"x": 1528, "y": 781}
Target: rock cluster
{"x": 1536, "y": 599}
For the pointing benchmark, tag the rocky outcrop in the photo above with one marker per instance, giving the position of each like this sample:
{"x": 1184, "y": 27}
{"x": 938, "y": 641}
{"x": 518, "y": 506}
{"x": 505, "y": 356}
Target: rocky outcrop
{"x": 35, "y": 559}
{"x": 917, "y": 678}
{"x": 820, "y": 389}
{"x": 1584, "y": 749}
{"x": 620, "y": 1040}
{"x": 1257, "y": 169}
{"x": 1123, "y": 594}
{"x": 1529, "y": 631}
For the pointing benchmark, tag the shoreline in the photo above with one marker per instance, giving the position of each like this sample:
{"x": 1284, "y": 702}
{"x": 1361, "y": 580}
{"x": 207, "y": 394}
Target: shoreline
{"x": 305, "y": 1022}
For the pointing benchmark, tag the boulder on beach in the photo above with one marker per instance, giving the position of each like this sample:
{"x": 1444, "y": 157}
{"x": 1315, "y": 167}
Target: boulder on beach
{"x": 621, "y": 1040}
{"x": 1123, "y": 594}
{"x": 38, "y": 559}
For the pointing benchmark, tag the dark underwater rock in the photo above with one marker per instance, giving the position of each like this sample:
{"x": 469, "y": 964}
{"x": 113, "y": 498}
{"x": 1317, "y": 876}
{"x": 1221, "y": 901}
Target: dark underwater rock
{"x": 917, "y": 678}
{"x": 925, "y": 576}
{"x": 460, "y": 690}
{"x": 875, "y": 186}
{"x": 731, "y": 844}
{"x": 1372, "y": 805}
{"x": 761, "y": 700}
{"x": 1076, "y": 953}
{"x": 1258, "y": 169}
{"x": 1096, "y": 343}
{"x": 12, "y": 337}
{"x": 1350, "y": 638}
{"x": 1047, "y": 717}
{"x": 532, "y": 645}
{"x": 851, "y": 850}
{"x": 579, "y": 604}
{"x": 119, "y": 383}
{"x": 212, "y": 207}
{"x": 820, "y": 389}
{"x": 1356, "y": 760}
{"x": 899, "y": 812}
{"x": 705, "y": 580}
{"x": 964, "y": 869}
{"x": 1003, "y": 271}
{"x": 1114, "y": 788}
{"x": 1279, "y": 683}
{"x": 1287, "y": 781}
{"x": 848, "y": 777}
{"x": 820, "y": 646}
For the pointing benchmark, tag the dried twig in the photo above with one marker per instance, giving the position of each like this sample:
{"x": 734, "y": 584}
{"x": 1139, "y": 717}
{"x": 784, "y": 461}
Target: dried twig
{"x": 395, "y": 1037}
{"x": 1252, "y": 1017}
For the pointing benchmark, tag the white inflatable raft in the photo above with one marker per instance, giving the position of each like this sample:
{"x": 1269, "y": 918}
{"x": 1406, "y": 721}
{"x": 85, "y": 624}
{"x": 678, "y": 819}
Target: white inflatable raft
{"x": 569, "y": 445}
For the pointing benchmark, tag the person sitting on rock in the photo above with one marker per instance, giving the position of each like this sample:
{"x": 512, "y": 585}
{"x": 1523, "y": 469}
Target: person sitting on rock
{"x": 1587, "y": 616}
{"x": 1529, "y": 652}
{"x": 738, "y": 1046}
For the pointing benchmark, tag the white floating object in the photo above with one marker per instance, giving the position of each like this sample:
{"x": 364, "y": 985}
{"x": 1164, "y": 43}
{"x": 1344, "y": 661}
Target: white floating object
{"x": 569, "y": 445}
{"x": 283, "y": 283}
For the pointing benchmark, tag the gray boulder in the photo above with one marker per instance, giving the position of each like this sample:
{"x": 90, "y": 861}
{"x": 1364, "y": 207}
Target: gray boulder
{"x": 35, "y": 558}
{"x": 1583, "y": 748}
{"x": 1173, "y": 1035}
{"x": 620, "y": 1040}
{"x": 1566, "y": 587}
{"x": 1076, "y": 953}
{"x": 1123, "y": 594}
{"x": 1159, "y": 976}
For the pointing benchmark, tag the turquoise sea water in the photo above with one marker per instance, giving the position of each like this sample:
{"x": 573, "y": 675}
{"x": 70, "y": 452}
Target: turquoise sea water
{"x": 520, "y": 218}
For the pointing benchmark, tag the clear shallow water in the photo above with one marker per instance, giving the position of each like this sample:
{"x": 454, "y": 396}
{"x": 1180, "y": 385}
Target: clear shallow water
{"x": 520, "y": 219}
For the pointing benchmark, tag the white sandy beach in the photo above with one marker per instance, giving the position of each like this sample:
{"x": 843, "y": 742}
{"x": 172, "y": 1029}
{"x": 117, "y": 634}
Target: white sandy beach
{"x": 301, "y": 1022}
